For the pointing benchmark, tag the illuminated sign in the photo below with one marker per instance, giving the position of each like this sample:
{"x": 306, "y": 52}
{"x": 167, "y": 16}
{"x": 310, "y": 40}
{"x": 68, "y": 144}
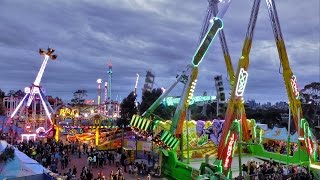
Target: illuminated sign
{"x": 294, "y": 86}
{"x": 310, "y": 146}
{"x": 172, "y": 101}
{"x": 97, "y": 119}
{"x": 36, "y": 90}
{"x": 227, "y": 161}
{"x": 242, "y": 81}
{"x": 68, "y": 113}
{"x": 26, "y": 90}
{"x": 72, "y": 130}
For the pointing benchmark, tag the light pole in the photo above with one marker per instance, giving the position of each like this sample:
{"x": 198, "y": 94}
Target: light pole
{"x": 99, "y": 81}
{"x": 299, "y": 137}
{"x": 188, "y": 118}
{"x": 240, "y": 145}
{"x": 217, "y": 110}
{"x": 288, "y": 141}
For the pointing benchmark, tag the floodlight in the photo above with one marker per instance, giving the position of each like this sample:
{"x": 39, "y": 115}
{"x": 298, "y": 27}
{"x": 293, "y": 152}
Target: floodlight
{"x": 53, "y": 57}
{"x": 41, "y": 51}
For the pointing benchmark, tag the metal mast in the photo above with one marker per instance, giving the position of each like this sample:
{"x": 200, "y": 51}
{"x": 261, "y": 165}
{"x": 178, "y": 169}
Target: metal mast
{"x": 109, "y": 81}
{"x": 136, "y": 85}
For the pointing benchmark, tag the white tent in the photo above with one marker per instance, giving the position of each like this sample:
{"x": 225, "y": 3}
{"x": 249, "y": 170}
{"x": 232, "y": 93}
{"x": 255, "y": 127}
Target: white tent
{"x": 20, "y": 166}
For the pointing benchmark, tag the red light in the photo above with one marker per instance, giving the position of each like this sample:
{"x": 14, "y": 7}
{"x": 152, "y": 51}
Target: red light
{"x": 228, "y": 154}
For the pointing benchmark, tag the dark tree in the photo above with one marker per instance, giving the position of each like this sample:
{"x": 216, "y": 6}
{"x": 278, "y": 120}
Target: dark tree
{"x": 196, "y": 112}
{"x": 270, "y": 116}
{"x": 2, "y": 94}
{"x": 128, "y": 109}
{"x": 310, "y": 98}
{"x": 11, "y": 93}
{"x": 148, "y": 98}
{"x": 19, "y": 93}
{"x": 58, "y": 101}
{"x": 79, "y": 97}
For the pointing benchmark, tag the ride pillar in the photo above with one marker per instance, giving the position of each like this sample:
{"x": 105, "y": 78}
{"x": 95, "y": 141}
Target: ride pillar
{"x": 56, "y": 135}
{"x": 97, "y": 124}
{"x": 97, "y": 136}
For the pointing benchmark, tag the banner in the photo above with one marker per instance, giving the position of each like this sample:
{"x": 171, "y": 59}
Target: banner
{"x": 131, "y": 145}
{"x": 146, "y": 146}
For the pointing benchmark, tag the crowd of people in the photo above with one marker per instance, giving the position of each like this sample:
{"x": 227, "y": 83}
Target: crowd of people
{"x": 57, "y": 157}
{"x": 280, "y": 147}
{"x": 271, "y": 170}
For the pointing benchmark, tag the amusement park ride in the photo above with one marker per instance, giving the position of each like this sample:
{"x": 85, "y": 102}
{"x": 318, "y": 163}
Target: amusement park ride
{"x": 236, "y": 129}
{"x": 35, "y": 91}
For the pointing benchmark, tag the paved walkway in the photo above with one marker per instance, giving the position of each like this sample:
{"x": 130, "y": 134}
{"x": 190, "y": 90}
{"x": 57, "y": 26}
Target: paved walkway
{"x": 106, "y": 169}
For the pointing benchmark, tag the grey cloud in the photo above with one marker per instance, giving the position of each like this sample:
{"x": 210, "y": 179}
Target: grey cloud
{"x": 140, "y": 35}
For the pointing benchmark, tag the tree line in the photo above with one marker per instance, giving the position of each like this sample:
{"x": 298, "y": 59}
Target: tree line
{"x": 309, "y": 95}
{"x": 310, "y": 98}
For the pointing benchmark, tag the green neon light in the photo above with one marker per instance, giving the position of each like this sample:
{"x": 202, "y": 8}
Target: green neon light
{"x": 260, "y": 138}
{"x": 132, "y": 119}
{"x": 254, "y": 128}
{"x": 170, "y": 142}
{"x": 237, "y": 125}
{"x": 203, "y": 140}
{"x": 229, "y": 174}
{"x": 136, "y": 121}
{"x": 155, "y": 124}
{"x": 164, "y": 136}
{"x": 308, "y": 135}
{"x": 143, "y": 123}
{"x": 147, "y": 125}
{"x": 139, "y": 122}
{"x": 173, "y": 101}
{"x": 206, "y": 42}
{"x": 176, "y": 142}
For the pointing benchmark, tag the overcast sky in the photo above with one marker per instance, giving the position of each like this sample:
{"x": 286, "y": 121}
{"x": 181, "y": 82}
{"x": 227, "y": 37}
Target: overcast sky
{"x": 157, "y": 35}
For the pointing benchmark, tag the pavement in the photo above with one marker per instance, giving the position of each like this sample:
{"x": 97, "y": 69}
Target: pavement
{"x": 106, "y": 169}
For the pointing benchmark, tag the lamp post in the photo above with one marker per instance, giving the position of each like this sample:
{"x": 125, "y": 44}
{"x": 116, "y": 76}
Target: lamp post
{"x": 299, "y": 137}
{"x": 288, "y": 141}
{"x": 188, "y": 118}
{"x": 240, "y": 145}
{"x": 99, "y": 81}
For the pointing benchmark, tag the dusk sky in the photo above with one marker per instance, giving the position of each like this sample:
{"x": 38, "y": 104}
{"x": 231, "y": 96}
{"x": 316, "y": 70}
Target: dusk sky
{"x": 157, "y": 35}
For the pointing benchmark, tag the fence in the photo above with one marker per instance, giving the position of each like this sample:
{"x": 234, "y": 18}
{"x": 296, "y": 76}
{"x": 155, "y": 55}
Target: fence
{"x": 276, "y": 176}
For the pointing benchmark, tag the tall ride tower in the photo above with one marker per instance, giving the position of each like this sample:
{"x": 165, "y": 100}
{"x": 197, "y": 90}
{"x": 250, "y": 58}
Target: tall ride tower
{"x": 99, "y": 81}
{"x": 148, "y": 82}
{"x": 105, "y": 101}
{"x": 109, "y": 81}
{"x": 36, "y": 91}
